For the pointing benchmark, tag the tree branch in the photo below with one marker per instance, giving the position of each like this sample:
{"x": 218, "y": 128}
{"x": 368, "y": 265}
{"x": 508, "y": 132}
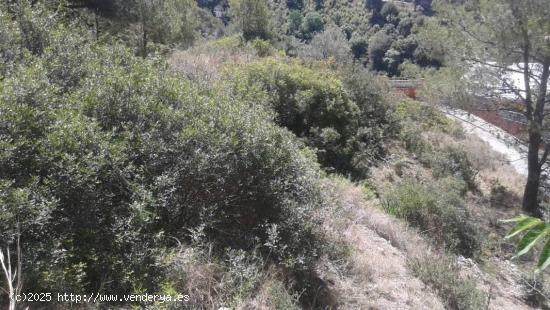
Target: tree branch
{"x": 545, "y": 155}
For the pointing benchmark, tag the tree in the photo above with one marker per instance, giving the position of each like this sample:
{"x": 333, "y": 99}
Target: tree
{"x": 378, "y": 45}
{"x": 313, "y": 22}
{"x": 374, "y": 5}
{"x": 330, "y": 43}
{"x": 389, "y": 9}
{"x": 294, "y": 21}
{"x": 13, "y": 276}
{"x": 211, "y": 4}
{"x": 103, "y": 7}
{"x": 359, "y": 46}
{"x": 163, "y": 21}
{"x": 475, "y": 29}
{"x": 251, "y": 17}
{"x": 295, "y": 4}
{"x": 424, "y": 5}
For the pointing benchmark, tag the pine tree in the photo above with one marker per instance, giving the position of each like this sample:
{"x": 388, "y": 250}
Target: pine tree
{"x": 252, "y": 18}
{"x": 164, "y": 21}
{"x": 504, "y": 37}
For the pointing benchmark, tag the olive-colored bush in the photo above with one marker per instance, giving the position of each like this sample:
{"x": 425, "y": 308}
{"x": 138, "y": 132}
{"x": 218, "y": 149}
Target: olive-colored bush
{"x": 438, "y": 210}
{"x": 425, "y": 115}
{"x": 263, "y": 47}
{"x": 453, "y": 161}
{"x": 443, "y": 274}
{"x": 444, "y": 160}
{"x": 344, "y": 118}
{"x": 107, "y": 159}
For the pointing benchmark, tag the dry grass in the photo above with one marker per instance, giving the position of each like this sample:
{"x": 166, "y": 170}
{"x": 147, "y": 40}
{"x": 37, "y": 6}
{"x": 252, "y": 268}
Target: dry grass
{"x": 390, "y": 264}
{"x": 385, "y": 251}
{"x": 271, "y": 294}
{"x": 496, "y": 178}
{"x": 401, "y": 166}
{"x": 201, "y": 277}
{"x": 203, "y": 63}
{"x": 492, "y": 166}
{"x": 376, "y": 274}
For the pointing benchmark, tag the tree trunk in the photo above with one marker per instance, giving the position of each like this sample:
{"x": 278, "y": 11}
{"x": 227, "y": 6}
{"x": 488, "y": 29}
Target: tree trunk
{"x": 144, "y": 47}
{"x": 534, "y": 163}
{"x": 531, "y": 193}
{"x": 97, "y": 24}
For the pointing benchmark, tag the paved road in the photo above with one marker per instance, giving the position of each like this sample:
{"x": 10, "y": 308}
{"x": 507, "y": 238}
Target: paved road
{"x": 499, "y": 140}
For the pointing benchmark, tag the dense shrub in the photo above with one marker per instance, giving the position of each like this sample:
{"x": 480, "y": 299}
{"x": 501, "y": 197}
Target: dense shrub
{"x": 237, "y": 279}
{"x": 378, "y": 45}
{"x": 330, "y": 43}
{"x": 443, "y": 160}
{"x": 108, "y": 159}
{"x": 295, "y": 20}
{"x": 452, "y": 161}
{"x": 443, "y": 274}
{"x": 438, "y": 210}
{"x": 425, "y": 115}
{"x": 412, "y": 139}
{"x": 377, "y": 121}
{"x": 501, "y": 196}
{"x": 312, "y": 23}
{"x": 345, "y": 121}
{"x": 10, "y": 41}
{"x": 263, "y": 47}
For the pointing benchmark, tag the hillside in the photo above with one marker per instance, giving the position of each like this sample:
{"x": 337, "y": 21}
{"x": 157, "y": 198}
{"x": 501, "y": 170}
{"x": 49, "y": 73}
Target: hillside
{"x": 247, "y": 154}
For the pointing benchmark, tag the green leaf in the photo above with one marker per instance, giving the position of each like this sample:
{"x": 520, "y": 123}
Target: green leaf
{"x": 530, "y": 239}
{"x": 524, "y": 224}
{"x": 515, "y": 219}
{"x": 544, "y": 257}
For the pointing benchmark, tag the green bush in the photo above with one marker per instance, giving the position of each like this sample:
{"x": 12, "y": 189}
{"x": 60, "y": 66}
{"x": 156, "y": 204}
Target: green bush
{"x": 444, "y": 161}
{"x": 238, "y": 279}
{"x": 345, "y": 120}
{"x": 438, "y": 210}
{"x": 295, "y": 19}
{"x": 443, "y": 275}
{"x": 107, "y": 159}
{"x": 313, "y": 22}
{"x": 413, "y": 141}
{"x": 234, "y": 42}
{"x": 424, "y": 114}
{"x": 211, "y": 281}
{"x": 452, "y": 161}
{"x": 263, "y": 47}
{"x": 501, "y": 196}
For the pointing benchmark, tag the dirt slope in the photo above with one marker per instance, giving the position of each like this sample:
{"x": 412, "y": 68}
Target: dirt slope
{"x": 380, "y": 276}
